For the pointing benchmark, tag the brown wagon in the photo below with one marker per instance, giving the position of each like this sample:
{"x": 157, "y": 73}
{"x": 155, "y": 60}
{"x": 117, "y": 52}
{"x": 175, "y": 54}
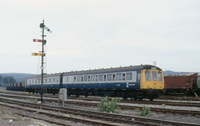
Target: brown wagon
{"x": 185, "y": 84}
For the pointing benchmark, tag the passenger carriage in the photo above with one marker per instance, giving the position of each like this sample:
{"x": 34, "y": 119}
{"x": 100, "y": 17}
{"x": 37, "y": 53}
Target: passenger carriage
{"x": 51, "y": 83}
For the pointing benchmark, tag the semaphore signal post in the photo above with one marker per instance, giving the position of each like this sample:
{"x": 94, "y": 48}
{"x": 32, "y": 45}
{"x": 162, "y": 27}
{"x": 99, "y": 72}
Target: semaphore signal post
{"x": 42, "y": 54}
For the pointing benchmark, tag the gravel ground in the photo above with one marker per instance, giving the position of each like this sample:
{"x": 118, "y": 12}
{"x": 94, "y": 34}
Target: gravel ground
{"x": 156, "y": 115}
{"x": 8, "y": 118}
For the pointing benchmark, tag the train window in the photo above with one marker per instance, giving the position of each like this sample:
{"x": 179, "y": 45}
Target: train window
{"x": 96, "y": 77}
{"x": 154, "y": 75}
{"x": 128, "y": 76}
{"x": 89, "y": 78}
{"x": 160, "y": 76}
{"x": 74, "y": 78}
{"x": 113, "y": 77}
{"x": 49, "y": 80}
{"x": 85, "y": 78}
{"x": 78, "y": 78}
{"x": 45, "y": 80}
{"x": 134, "y": 76}
{"x": 119, "y": 76}
{"x": 109, "y": 77}
{"x": 138, "y": 76}
{"x": 104, "y": 77}
{"x": 66, "y": 79}
{"x": 147, "y": 75}
{"x": 93, "y": 77}
{"x": 54, "y": 79}
{"x": 100, "y": 77}
{"x": 82, "y": 78}
{"x": 123, "y": 76}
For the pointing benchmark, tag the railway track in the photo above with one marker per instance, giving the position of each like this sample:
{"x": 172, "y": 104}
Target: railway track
{"x": 191, "y": 103}
{"x": 155, "y": 102}
{"x": 130, "y": 106}
{"x": 179, "y": 98}
{"x": 117, "y": 118}
{"x": 54, "y": 114}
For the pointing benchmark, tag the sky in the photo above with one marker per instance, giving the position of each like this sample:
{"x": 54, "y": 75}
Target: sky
{"x": 94, "y": 34}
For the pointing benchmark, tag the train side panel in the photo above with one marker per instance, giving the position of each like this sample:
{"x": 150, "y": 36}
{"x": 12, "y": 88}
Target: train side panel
{"x": 119, "y": 84}
{"x": 123, "y": 80}
{"x": 18, "y": 86}
{"x": 51, "y": 83}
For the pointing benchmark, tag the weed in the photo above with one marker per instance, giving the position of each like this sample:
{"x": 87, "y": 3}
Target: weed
{"x": 107, "y": 105}
{"x": 145, "y": 111}
{"x": 71, "y": 115}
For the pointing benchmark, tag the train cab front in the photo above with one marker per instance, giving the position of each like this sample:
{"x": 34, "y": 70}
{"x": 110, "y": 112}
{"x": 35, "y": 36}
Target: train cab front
{"x": 152, "y": 82}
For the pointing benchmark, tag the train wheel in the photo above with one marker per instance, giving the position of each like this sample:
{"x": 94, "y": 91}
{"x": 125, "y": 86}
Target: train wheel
{"x": 140, "y": 99}
{"x": 77, "y": 95}
{"x": 151, "y": 99}
{"x": 125, "y": 98}
{"x": 134, "y": 99}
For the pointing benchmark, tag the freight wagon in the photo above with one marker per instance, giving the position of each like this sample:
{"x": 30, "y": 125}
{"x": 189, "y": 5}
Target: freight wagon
{"x": 182, "y": 84}
{"x": 198, "y": 88}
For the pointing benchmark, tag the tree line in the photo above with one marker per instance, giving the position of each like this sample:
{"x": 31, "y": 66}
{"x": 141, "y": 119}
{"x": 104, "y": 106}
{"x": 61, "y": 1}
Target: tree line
{"x": 6, "y": 80}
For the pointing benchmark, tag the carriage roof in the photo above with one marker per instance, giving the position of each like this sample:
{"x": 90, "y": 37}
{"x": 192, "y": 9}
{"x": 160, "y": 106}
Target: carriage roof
{"x": 103, "y": 70}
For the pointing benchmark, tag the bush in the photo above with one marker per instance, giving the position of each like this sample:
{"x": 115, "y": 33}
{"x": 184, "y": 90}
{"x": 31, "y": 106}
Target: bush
{"x": 145, "y": 111}
{"x": 107, "y": 105}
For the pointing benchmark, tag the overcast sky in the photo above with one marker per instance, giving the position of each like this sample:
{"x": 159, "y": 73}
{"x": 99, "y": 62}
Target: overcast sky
{"x": 92, "y": 34}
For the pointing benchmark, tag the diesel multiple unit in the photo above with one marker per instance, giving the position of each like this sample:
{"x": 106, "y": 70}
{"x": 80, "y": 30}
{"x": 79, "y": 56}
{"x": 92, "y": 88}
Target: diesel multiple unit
{"x": 138, "y": 82}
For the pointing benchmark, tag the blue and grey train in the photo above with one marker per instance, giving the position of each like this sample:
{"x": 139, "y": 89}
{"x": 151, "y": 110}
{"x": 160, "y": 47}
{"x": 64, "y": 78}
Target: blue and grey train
{"x": 137, "y": 82}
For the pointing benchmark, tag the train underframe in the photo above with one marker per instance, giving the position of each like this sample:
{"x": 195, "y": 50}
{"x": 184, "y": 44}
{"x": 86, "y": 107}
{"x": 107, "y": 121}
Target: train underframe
{"x": 183, "y": 92}
{"x": 134, "y": 94}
